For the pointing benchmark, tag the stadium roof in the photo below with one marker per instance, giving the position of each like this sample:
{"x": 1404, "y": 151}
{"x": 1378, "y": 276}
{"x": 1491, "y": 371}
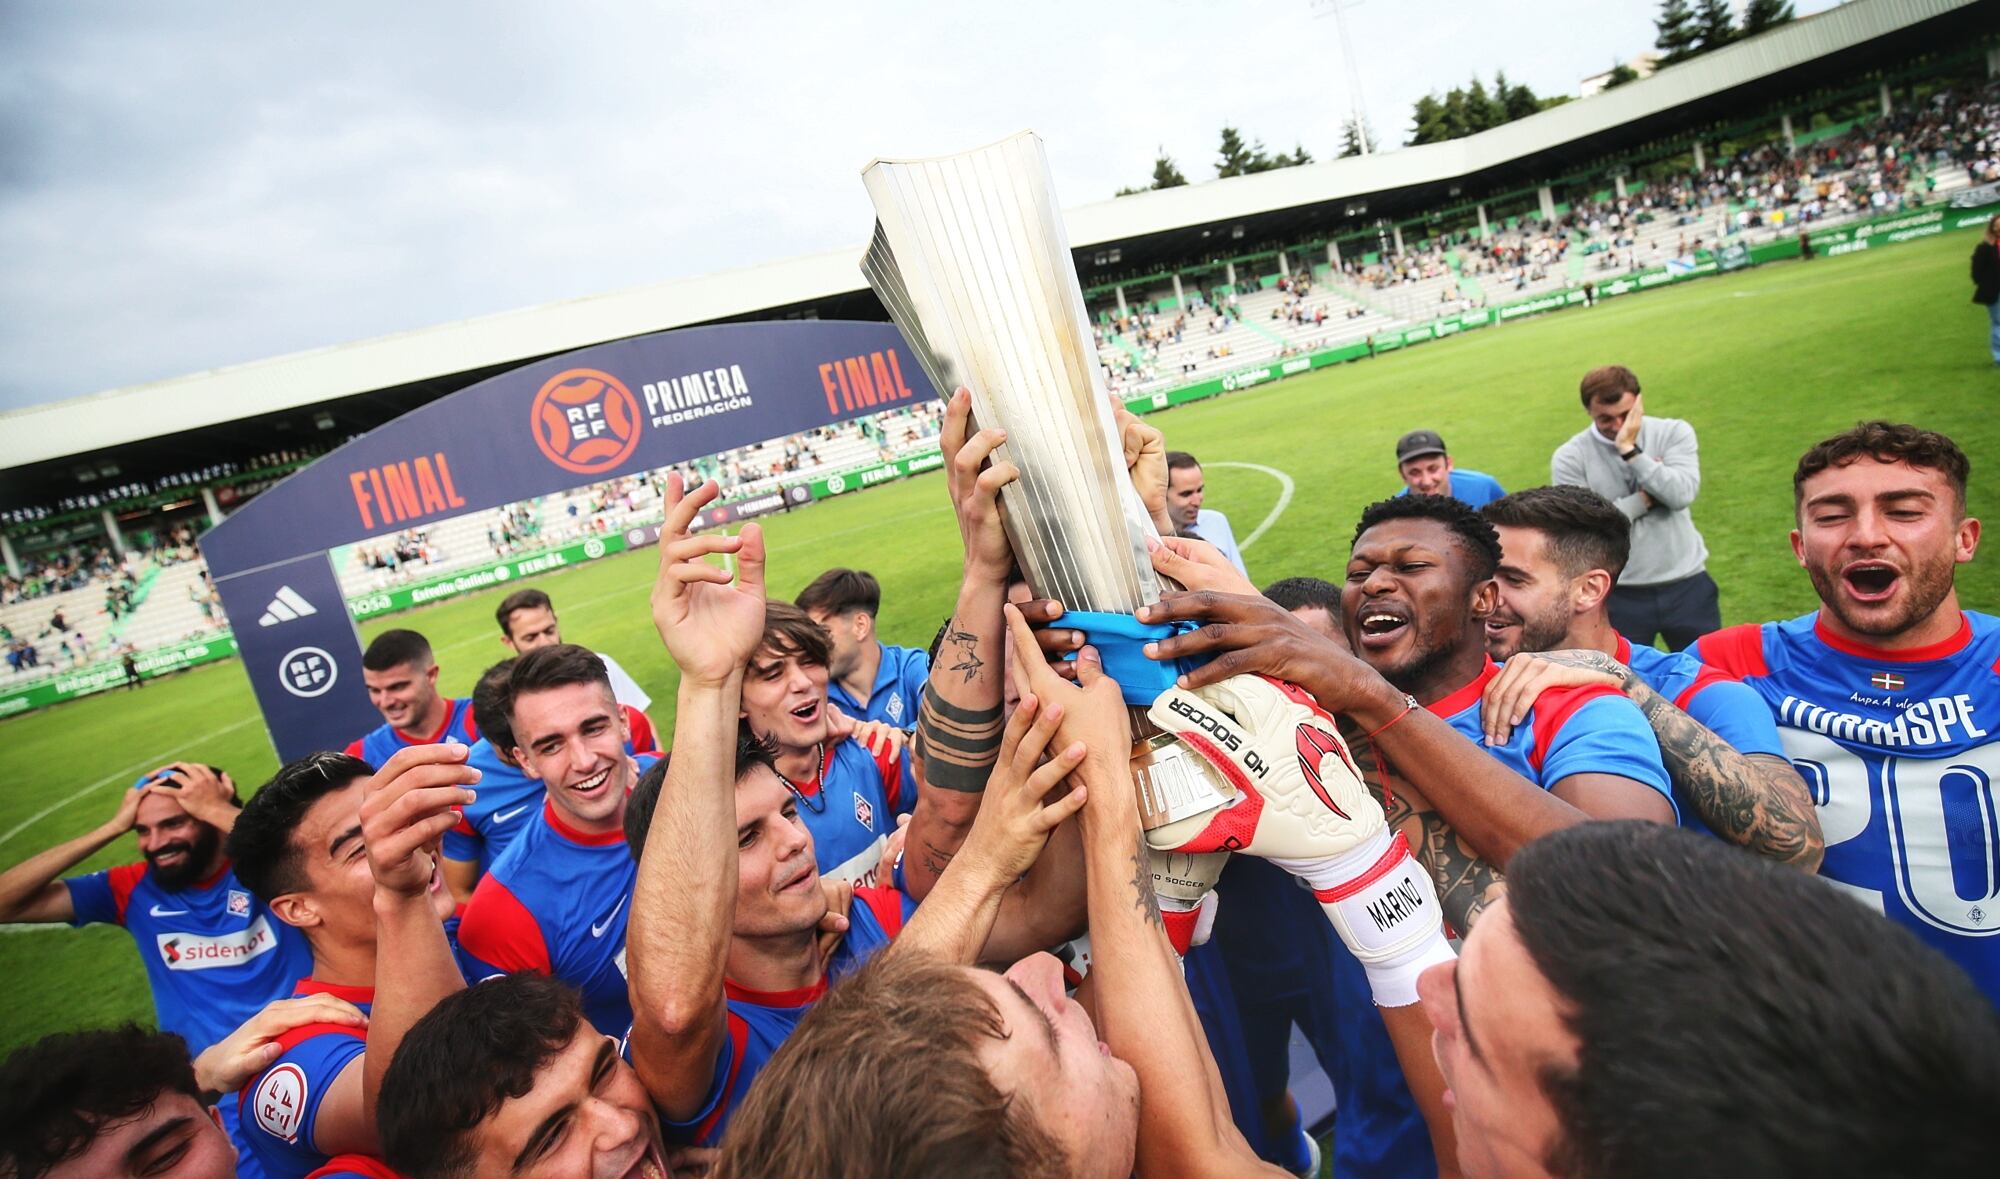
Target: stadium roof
{"x": 1166, "y": 225}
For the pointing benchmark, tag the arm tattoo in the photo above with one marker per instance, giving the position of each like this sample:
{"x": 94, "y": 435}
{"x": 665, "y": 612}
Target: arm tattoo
{"x": 1466, "y": 884}
{"x": 958, "y": 745}
{"x": 1762, "y": 808}
{"x": 968, "y": 658}
{"x": 1142, "y": 885}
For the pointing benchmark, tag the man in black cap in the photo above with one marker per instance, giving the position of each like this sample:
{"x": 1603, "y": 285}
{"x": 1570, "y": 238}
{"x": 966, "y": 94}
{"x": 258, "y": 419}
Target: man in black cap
{"x": 1427, "y": 470}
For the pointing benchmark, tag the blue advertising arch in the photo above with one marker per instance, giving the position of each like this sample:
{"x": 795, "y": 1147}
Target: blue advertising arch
{"x": 613, "y": 409}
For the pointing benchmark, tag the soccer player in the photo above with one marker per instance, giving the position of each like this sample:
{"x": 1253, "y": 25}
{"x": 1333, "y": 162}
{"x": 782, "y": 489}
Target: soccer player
{"x": 724, "y": 957}
{"x": 118, "y": 1103}
{"x": 538, "y": 1093}
{"x": 1427, "y": 469}
{"x": 527, "y": 620}
{"x": 507, "y": 795}
{"x": 1885, "y": 696}
{"x": 213, "y": 953}
{"x": 1185, "y": 489}
{"x": 402, "y": 679}
{"x": 1315, "y": 600}
{"x": 341, "y": 852}
{"x": 556, "y": 901}
{"x": 1560, "y": 552}
{"x": 867, "y": 678}
{"x": 849, "y": 796}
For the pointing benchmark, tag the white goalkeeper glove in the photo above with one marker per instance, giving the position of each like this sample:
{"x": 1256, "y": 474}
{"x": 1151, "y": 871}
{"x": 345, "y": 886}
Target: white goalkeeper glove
{"x": 1301, "y": 804}
{"x": 1184, "y": 884}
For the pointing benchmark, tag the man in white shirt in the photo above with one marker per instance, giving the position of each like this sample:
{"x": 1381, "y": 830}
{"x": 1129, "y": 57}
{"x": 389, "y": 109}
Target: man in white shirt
{"x": 1184, "y": 493}
{"x": 527, "y": 620}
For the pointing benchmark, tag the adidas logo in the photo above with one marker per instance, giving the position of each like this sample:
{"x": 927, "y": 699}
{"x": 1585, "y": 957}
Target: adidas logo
{"x": 289, "y": 604}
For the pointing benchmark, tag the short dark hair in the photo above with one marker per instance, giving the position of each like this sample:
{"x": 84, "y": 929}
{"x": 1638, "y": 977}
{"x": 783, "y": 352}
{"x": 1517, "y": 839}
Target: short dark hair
{"x": 261, "y": 845}
{"x": 1181, "y": 460}
{"x": 883, "y": 1076}
{"x": 1584, "y": 530}
{"x": 1887, "y": 442}
{"x": 792, "y": 631}
{"x": 751, "y": 751}
{"x": 520, "y": 599}
{"x": 62, "y": 1089}
{"x": 394, "y": 648}
{"x": 1746, "y": 987}
{"x": 493, "y": 704}
{"x": 1294, "y": 593}
{"x": 1473, "y": 533}
{"x": 1607, "y": 384}
{"x": 556, "y": 666}
{"x": 842, "y": 591}
{"x": 475, "y": 1049}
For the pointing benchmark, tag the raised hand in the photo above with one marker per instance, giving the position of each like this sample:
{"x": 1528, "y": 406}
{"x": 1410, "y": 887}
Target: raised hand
{"x": 1254, "y": 635}
{"x": 711, "y": 623}
{"x": 1527, "y": 675}
{"x": 877, "y": 737}
{"x": 1197, "y": 565}
{"x": 203, "y": 793}
{"x": 1092, "y": 711}
{"x": 127, "y": 815}
{"x": 1016, "y": 813}
{"x": 228, "y": 1064}
{"x": 975, "y": 493}
{"x": 1628, "y": 434}
{"x": 1146, "y": 463}
{"x": 405, "y": 810}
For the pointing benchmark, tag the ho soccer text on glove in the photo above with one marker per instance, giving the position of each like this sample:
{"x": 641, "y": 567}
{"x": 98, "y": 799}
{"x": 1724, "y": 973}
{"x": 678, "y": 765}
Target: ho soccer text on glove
{"x": 1300, "y": 803}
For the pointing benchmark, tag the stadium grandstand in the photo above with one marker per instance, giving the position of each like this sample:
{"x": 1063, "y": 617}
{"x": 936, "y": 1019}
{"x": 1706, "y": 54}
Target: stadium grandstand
{"x": 1873, "y": 108}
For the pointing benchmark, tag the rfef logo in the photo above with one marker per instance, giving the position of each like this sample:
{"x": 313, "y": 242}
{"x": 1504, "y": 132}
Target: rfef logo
{"x": 585, "y": 420}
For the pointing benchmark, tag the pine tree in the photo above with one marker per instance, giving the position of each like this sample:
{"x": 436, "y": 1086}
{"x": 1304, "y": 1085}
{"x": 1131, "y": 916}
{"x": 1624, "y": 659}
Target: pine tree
{"x": 1759, "y": 15}
{"x": 1621, "y": 74}
{"x": 1518, "y": 101}
{"x": 1715, "y": 25}
{"x": 1235, "y": 157}
{"x": 1482, "y": 111}
{"x": 1299, "y": 156}
{"x": 1166, "y": 174}
{"x": 1677, "y": 30}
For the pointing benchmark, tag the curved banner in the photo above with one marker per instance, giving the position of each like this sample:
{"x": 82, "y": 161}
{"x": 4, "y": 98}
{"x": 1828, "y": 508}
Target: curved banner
{"x": 597, "y": 413}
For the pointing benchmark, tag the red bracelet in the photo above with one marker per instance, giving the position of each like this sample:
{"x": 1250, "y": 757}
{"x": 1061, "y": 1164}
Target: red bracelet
{"x": 1410, "y": 705}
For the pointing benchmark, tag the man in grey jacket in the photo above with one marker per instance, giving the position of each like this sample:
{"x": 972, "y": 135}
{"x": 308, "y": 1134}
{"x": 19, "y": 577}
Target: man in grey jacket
{"x": 1651, "y": 469}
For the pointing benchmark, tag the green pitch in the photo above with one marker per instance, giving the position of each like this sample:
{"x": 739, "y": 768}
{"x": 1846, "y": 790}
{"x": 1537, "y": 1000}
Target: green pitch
{"x": 1763, "y": 363}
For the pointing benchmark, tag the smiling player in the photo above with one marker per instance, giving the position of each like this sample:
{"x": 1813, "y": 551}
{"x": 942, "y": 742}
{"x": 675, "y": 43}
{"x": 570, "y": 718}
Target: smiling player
{"x": 1886, "y": 697}
{"x": 402, "y": 676}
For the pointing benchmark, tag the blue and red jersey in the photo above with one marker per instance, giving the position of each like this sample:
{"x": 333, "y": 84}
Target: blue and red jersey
{"x": 214, "y": 954}
{"x": 354, "y": 1166}
{"x": 1587, "y": 730}
{"x": 898, "y": 688}
{"x": 556, "y": 903}
{"x": 1901, "y": 765}
{"x": 851, "y": 807}
{"x": 1727, "y": 708}
{"x": 508, "y": 797}
{"x": 279, "y": 1109}
{"x": 379, "y": 744}
{"x": 759, "y": 1021}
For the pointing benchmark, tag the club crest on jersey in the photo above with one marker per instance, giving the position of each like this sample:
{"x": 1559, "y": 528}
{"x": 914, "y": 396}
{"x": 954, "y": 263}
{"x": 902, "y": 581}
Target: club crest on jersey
{"x": 864, "y": 812}
{"x": 1887, "y": 681}
{"x": 239, "y": 903}
{"x": 894, "y": 708}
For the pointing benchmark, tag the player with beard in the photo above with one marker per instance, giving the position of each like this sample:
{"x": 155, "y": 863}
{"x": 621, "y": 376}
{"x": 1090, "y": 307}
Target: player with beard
{"x": 724, "y": 951}
{"x": 506, "y": 794}
{"x": 347, "y": 855}
{"x": 214, "y": 956}
{"x": 1419, "y": 589}
{"x": 1885, "y": 696}
{"x": 1561, "y": 550}
{"x": 401, "y": 676}
{"x": 555, "y": 901}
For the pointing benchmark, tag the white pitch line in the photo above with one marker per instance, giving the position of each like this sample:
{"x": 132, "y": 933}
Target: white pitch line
{"x": 124, "y": 775}
{"x": 1285, "y": 487}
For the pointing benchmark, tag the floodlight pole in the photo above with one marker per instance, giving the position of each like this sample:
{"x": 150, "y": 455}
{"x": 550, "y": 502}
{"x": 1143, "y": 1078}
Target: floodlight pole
{"x": 1358, "y": 107}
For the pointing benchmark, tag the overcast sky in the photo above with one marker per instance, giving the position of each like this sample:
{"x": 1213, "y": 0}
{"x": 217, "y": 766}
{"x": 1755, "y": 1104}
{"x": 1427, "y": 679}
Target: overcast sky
{"x": 185, "y": 186}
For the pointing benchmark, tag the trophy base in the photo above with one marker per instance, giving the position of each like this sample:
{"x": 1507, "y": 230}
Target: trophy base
{"x": 1175, "y": 785}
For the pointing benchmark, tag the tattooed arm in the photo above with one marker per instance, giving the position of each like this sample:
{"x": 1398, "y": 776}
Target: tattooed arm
{"x": 959, "y": 720}
{"x": 1755, "y": 800}
{"x": 1466, "y": 884}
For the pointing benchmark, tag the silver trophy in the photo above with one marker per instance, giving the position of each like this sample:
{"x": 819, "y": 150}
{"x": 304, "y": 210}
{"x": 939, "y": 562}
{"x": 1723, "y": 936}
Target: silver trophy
{"x": 972, "y": 262}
